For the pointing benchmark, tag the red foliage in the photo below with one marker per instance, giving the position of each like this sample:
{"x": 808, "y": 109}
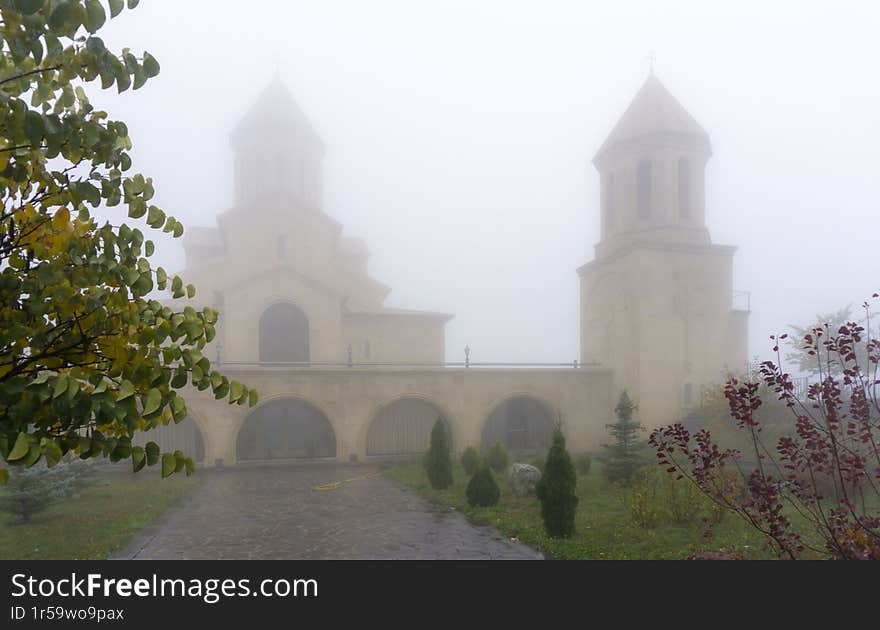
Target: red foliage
{"x": 825, "y": 476}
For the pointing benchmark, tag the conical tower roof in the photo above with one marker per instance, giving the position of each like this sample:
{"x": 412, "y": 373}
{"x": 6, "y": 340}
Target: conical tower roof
{"x": 654, "y": 112}
{"x": 276, "y": 110}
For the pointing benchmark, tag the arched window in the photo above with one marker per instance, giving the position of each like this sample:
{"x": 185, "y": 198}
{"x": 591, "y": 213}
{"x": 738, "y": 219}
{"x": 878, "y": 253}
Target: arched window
{"x": 403, "y": 427}
{"x": 609, "y": 201}
{"x": 285, "y": 429}
{"x": 284, "y": 335}
{"x": 521, "y": 423}
{"x": 644, "y": 189}
{"x": 684, "y": 188}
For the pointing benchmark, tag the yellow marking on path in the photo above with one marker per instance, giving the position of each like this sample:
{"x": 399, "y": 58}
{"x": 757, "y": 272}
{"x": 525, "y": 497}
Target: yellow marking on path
{"x": 338, "y": 484}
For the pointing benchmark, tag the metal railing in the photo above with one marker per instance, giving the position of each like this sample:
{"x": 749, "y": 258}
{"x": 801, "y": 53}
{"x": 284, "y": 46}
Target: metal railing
{"x": 404, "y": 364}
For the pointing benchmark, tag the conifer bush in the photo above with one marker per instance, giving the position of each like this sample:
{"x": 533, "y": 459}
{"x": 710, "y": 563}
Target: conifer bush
{"x": 482, "y": 490}
{"x": 438, "y": 463}
{"x": 497, "y": 457}
{"x": 627, "y": 455}
{"x": 470, "y": 460}
{"x": 556, "y": 490}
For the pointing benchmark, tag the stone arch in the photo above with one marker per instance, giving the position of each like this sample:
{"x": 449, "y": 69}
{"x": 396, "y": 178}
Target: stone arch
{"x": 402, "y": 427}
{"x": 285, "y": 428}
{"x": 522, "y": 422}
{"x": 186, "y": 436}
{"x": 284, "y": 334}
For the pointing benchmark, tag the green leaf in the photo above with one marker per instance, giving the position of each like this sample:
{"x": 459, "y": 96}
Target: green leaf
{"x": 95, "y": 16}
{"x": 4, "y": 475}
{"x": 190, "y": 291}
{"x": 34, "y": 127}
{"x": 133, "y": 3}
{"x": 138, "y": 458}
{"x": 116, "y": 7}
{"x": 151, "y": 66}
{"x": 125, "y": 390}
{"x": 51, "y": 451}
{"x": 149, "y": 248}
{"x": 139, "y": 78}
{"x": 152, "y": 401}
{"x": 178, "y": 409}
{"x": 33, "y": 455}
{"x": 236, "y": 391}
{"x": 253, "y": 398}
{"x": 22, "y": 445}
{"x": 180, "y": 378}
{"x": 169, "y": 463}
{"x": 152, "y": 451}
{"x": 29, "y": 7}
{"x": 61, "y": 385}
{"x": 179, "y": 461}
{"x": 60, "y": 15}
{"x": 190, "y": 466}
{"x": 137, "y": 208}
{"x": 155, "y": 217}
{"x": 42, "y": 377}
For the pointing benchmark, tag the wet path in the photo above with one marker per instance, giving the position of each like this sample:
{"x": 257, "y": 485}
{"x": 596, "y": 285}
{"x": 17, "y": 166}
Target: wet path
{"x": 275, "y": 512}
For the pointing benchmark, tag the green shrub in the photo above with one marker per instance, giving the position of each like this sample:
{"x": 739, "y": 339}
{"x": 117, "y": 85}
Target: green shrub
{"x": 497, "y": 457}
{"x": 29, "y": 491}
{"x": 438, "y": 463}
{"x": 642, "y": 499}
{"x": 654, "y": 496}
{"x": 556, "y": 490}
{"x": 626, "y": 456}
{"x": 482, "y": 489}
{"x": 470, "y": 460}
{"x": 582, "y": 463}
{"x": 682, "y": 500}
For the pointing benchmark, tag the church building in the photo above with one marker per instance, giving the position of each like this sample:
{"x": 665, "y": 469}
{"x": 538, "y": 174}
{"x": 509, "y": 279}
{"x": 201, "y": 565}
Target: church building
{"x": 342, "y": 377}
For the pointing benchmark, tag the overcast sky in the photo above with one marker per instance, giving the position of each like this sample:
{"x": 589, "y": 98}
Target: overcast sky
{"x": 459, "y": 137}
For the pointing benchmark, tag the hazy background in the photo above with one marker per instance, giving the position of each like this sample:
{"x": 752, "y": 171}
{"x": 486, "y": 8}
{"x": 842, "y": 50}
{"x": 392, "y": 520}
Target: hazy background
{"x": 459, "y": 137}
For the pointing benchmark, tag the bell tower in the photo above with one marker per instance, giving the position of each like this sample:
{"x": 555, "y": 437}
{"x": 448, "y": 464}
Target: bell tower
{"x": 277, "y": 152}
{"x": 657, "y": 299}
{"x": 652, "y": 174}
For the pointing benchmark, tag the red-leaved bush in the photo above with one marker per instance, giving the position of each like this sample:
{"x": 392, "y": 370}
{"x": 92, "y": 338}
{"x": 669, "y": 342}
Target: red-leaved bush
{"x": 816, "y": 489}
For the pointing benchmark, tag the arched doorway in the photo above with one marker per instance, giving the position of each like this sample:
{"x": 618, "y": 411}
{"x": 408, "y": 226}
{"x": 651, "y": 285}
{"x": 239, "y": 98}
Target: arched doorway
{"x": 285, "y": 429}
{"x": 183, "y": 436}
{"x": 522, "y": 423}
{"x": 284, "y": 335}
{"x": 403, "y": 428}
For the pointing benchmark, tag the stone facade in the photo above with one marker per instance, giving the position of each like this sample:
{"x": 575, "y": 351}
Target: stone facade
{"x": 303, "y": 322}
{"x": 657, "y": 300}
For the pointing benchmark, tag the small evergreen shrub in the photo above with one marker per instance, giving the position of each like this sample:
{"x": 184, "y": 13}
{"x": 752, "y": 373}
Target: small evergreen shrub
{"x": 557, "y": 490}
{"x": 438, "y": 463}
{"x": 29, "y": 491}
{"x": 482, "y": 490}
{"x": 626, "y": 456}
{"x": 582, "y": 463}
{"x": 470, "y": 460}
{"x": 497, "y": 457}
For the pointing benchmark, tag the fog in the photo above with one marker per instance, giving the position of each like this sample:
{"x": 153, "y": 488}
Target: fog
{"x": 459, "y": 137}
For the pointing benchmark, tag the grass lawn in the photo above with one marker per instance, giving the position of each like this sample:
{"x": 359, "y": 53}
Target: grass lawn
{"x": 603, "y": 528}
{"x": 97, "y": 522}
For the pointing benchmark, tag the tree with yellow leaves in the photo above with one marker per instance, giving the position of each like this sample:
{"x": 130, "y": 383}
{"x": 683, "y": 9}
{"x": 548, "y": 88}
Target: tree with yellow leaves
{"x": 86, "y": 358}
